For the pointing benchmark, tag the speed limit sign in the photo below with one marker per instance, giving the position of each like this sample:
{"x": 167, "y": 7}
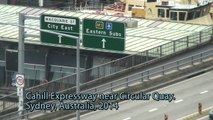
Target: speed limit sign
{"x": 19, "y": 80}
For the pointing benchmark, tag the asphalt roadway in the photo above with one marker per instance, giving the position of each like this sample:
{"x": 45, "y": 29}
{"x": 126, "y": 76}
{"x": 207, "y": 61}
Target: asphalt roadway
{"x": 188, "y": 94}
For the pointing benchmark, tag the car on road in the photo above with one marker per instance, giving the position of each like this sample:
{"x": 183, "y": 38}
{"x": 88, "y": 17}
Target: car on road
{"x": 211, "y": 115}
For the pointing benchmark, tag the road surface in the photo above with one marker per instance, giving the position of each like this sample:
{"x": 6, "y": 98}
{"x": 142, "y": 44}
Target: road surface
{"x": 204, "y": 118}
{"x": 188, "y": 94}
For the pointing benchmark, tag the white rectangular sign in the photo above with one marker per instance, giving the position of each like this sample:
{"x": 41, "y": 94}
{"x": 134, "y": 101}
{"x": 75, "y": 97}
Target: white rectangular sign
{"x": 20, "y": 104}
{"x": 20, "y": 91}
{"x": 60, "y": 20}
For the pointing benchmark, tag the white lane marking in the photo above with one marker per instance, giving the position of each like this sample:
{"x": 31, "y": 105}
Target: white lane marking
{"x": 123, "y": 102}
{"x": 154, "y": 109}
{"x": 203, "y": 118}
{"x": 204, "y": 92}
{"x": 127, "y": 118}
{"x": 178, "y": 101}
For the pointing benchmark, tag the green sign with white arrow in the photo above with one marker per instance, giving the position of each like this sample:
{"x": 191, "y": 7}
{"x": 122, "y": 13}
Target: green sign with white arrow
{"x": 104, "y": 34}
{"x": 61, "y": 24}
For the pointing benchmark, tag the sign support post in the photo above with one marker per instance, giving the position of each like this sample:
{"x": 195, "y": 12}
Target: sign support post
{"x": 64, "y": 25}
{"x": 78, "y": 74}
{"x": 21, "y": 60}
{"x": 41, "y": 3}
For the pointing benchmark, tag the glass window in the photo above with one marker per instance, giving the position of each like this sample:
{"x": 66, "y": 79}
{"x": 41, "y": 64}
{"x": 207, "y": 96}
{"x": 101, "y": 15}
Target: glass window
{"x": 182, "y": 15}
{"x": 40, "y": 74}
{"x": 30, "y": 74}
{"x": 203, "y": 11}
{"x": 2, "y": 53}
{"x": 2, "y": 63}
{"x": 190, "y": 15}
{"x": 130, "y": 7}
{"x": 197, "y": 14}
{"x": 55, "y": 72}
{"x": 151, "y": 0}
{"x": 167, "y": 13}
{"x": 161, "y": 13}
{"x": 207, "y": 10}
{"x": 173, "y": 15}
{"x": 165, "y": 2}
{"x": 2, "y": 75}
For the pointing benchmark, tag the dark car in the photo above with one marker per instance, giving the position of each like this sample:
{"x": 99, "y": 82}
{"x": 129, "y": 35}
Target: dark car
{"x": 211, "y": 115}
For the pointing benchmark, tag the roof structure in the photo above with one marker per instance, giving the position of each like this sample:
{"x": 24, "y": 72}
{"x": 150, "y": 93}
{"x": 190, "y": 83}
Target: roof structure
{"x": 147, "y": 35}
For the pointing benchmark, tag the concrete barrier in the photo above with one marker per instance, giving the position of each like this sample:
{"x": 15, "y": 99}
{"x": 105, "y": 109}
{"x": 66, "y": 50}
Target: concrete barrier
{"x": 197, "y": 115}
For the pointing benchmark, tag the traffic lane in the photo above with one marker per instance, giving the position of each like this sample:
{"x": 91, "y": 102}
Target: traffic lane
{"x": 199, "y": 84}
{"x": 180, "y": 92}
{"x": 181, "y": 89}
{"x": 132, "y": 106}
{"x": 127, "y": 108}
{"x": 188, "y": 104}
{"x": 183, "y": 108}
{"x": 152, "y": 112}
{"x": 188, "y": 100}
{"x": 138, "y": 111}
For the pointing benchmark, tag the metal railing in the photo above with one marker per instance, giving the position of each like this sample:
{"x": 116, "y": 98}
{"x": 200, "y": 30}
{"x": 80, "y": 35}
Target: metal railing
{"x": 92, "y": 6}
{"x": 116, "y": 66}
{"x": 34, "y": 73}
{"x": 122, "y": 64}
{"x": 153, "y": 73}
{"x": 134, "y": 79}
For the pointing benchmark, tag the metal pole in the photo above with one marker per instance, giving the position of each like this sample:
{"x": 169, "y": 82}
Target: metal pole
{"x": 78, "y": 75}
{"x": 75, "y": 7}
{"x": 41, "y": 3}
{"x": 21, "y": 59}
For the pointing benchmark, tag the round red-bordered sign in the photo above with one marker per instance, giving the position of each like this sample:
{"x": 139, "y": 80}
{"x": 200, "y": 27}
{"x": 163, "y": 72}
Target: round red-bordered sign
{"x": 20, "y": 80}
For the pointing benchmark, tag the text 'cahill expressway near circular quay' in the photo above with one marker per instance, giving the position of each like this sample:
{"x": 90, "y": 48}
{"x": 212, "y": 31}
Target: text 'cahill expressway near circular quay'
{"x": 66, "y": 101}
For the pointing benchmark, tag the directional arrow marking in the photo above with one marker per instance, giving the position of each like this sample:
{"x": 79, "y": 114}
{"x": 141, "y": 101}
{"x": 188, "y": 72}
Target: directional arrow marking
{"x": 103, "y": 43}
{"x": 59, "y": 37}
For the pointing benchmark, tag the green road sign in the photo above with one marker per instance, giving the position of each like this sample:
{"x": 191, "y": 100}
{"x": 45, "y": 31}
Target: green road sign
{"x": 103, "y": 34}
{"x": 61, "y": 24}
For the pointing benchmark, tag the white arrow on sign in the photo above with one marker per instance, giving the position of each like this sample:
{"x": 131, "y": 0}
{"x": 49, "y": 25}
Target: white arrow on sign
{"x": 59, "y": 37}
{"x": 103, "y": 43}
